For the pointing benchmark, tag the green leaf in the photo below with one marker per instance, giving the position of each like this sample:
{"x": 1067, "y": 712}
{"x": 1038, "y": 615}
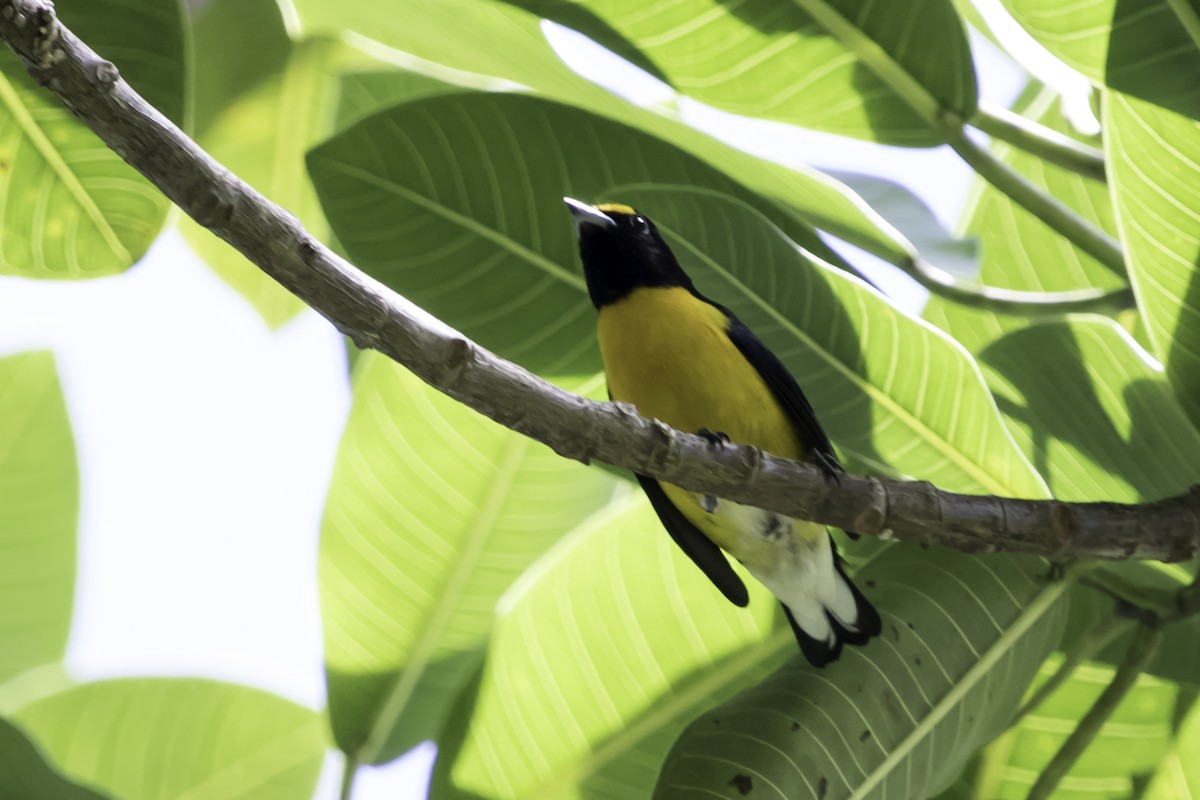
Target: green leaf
{"x": 489, "y": 38}
{"x": 176, "y": 738}
{"x": 963, "y": 636}
{"x": 70, "y": 207}
{"x": 1092, "y": 412}
{"x": 1178, "y": 775}
{"x": 39, "y": 512}
{"x": 1129, "y": 744}
{"x": 1095, "y": 415}
{"x": 433, "y": 511}
{"x": 1154, "y": 167}
{"x": 361, "y": 94}
{"x": 787, "y": 62}
{"x": 479, "y": 213}
{"x": 26, "y": 775}
{"x": 1018, "y": 250}
{"x": 236, "y": 45}
{"x": 589, "y": 18}
{"x": 601, "y": 655}
{"x": 1149, "y": 49}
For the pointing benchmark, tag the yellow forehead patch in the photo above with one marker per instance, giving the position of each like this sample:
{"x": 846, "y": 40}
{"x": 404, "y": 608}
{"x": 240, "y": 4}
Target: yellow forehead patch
{"x": 617, "y": 208}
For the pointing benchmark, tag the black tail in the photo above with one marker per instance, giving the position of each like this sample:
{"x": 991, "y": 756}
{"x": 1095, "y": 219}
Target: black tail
{"x": 866, "y": 625}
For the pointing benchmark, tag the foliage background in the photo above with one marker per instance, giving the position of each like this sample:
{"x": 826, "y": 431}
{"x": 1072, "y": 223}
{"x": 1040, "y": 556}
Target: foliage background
{"x": 197, "y": 541}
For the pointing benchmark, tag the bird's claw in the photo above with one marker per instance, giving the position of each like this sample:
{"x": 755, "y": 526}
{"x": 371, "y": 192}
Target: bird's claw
{"x": 829, "y": 466}
{"x": 714, "y": 438}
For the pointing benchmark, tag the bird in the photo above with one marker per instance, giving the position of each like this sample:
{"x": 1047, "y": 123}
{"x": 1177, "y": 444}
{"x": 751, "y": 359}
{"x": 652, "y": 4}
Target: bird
{"x": 687, "y": 361}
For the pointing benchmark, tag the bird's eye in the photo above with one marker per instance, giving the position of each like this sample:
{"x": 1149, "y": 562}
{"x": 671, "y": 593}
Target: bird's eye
{"x": 640, "y": 223}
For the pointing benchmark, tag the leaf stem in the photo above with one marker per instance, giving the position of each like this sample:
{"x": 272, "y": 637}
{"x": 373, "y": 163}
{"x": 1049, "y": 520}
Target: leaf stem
{"x": 1099, "y": 636}
{"x": 1141, "y": 651}
{"x": 1049, "y": 210}
{"x": 349, "y": 773}
{"x": 1039, "y": 140}
{"x": 1014, "y": 301}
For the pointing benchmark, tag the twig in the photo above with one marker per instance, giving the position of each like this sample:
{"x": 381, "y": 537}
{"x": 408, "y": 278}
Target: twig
{"x": 951, "y": 126}
{"x": 1037, "y": 139}
{"x": 349, "y": 774}
{"x": 1057, "y": 215}
{"x": 1141, "y": 651}
{"x": 1099, "y": 636}
{"x": 1014, "y": 301}
{"x": 374, "y": 316}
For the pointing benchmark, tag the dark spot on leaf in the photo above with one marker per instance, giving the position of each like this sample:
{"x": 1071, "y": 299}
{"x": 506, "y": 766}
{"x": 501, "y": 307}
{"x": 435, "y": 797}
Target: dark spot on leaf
{"x": 891, "y": 704}
{"x": 917, "y": 660}
{"x": 822, "y": 787}
{"x": 871, "y": 584}
{"x": 795, "y": 727}
{"x": 912, "y": 627}
{"x": 895, "y": 632}
{"x": 716, "y": 721}
{"x": 862, "y": 737}
{"x": 742, "y": 783}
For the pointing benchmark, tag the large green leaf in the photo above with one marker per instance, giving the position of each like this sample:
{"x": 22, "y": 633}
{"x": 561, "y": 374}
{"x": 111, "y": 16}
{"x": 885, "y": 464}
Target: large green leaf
{"x": 1154, "y": 167}
{"x": 25, "y": 774}
{"x": 779, "y": 60}
{"x": 236, "y": 45}
{"x": 361, "y": 94}
{"x": 176, "y": 738}
{"x": 962, "y": 638}
{"x": 433, "y": 511}
{"x": 1096, "y": 416}
{"x": 489, "y": 38}
{"x": 39, "y": 512}
{"x": 1149, "y": 49}
{"x": 70, "y": 207}
{"x": 469, "y": 226}
{"x": 1129, "y": 744}
{"x": 1178, "y": 775}
{"x": 1017, "y": 250}
{"x": 601, "y": 655}
{"x": 1092, "y": 412}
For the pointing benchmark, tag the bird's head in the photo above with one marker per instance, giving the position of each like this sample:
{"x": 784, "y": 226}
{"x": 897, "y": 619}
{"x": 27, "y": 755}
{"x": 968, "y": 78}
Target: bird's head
{"x": 622, "y": 250}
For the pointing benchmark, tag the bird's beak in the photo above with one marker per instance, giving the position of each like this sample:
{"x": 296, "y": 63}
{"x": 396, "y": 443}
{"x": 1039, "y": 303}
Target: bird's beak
{"x": 585, "y": 214}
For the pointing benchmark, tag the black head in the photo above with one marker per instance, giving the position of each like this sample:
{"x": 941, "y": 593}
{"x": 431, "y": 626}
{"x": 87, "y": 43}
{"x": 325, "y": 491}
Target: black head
{"x": 622, "y": 251}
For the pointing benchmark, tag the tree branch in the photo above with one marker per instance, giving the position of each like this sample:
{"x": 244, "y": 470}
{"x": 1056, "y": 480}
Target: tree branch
{"x": 376, "y": 317}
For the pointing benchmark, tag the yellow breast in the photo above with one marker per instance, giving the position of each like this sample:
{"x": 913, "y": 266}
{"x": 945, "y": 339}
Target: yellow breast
{"x": 669, "y": 354}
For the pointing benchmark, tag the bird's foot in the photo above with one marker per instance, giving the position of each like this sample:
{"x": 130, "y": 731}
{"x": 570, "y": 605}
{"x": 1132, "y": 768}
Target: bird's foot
{"x": 714, "y": 438}
{"x": 829, "y": 466}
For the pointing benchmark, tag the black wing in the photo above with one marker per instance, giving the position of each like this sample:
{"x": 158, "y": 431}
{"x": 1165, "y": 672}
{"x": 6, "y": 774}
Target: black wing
{"x": 699, "y": 548}
{"x": 787, "y": 392}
